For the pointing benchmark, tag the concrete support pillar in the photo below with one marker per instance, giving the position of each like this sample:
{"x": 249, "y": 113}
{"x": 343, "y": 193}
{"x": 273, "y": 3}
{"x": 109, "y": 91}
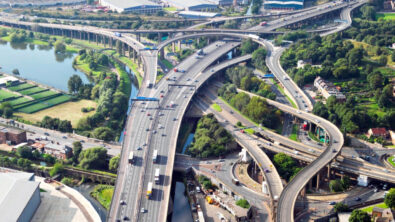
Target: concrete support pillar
{"x": 198, "y": 41}
{"x": 134, "y": 55}
{"x": 80, "y": 35}
{"x": 303, "y": 192}
{"x": 317, "y": 186}
{"x": 162, "y": 53}
{"x": 159, "y": 37}
{"x": 310, "y": 127}
{"x": 310, "y": 184}
{"x": 173, "y": 46}
{"x": 97, "y": 41}
{"x": 208, "y": 41}
{"x": 326, "y": 137}
{"x": 328, "y": 175}
{"x": 179, "y": 45}
{"x": 138, "y": 37}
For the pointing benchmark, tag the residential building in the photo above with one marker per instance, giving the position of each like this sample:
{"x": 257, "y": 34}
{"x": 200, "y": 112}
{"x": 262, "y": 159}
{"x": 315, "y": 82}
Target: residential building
{"x": 134, "y": 6}
{"x": 19, "y": 196}
{"x": 327, "y": 89}
{"x": 12, "y": 136}
{"x": 382, "y": 214}
{"x": 58, "y": 151}
{"x": 378, "y": 132}
{"x": 283, "y": 4}
{"x": 389, "y": 5}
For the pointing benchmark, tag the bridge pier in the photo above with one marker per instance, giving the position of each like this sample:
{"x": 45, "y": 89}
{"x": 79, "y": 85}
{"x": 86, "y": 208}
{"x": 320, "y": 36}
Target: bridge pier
{"x": 138, "y": 37}
{"x": 179, "y": 45}
{"x": 162, "y": 53}
{"x": 173, "y": 46}
{"x": 159, "y": 37}
{"x": 317, "y": 185}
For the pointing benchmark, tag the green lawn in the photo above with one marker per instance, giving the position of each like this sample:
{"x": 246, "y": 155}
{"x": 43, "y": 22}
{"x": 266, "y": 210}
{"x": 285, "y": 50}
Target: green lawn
{"x": 32, "y": 90}
{"x": 44, "y": 104}
{"x": 124, "y": 85}
{"x": 5, "y": 95}
{"x": 385, "y": 16}
{"x": 19, "y": 101}
{"x": 20, "y": 87}
{"x": 370, "y": 208}
{"x": 313, "y": 137}
{"x": 391, "y": 161}
{"x": 216, "y": 107}
{"x": 294, "y": 134}
{"x": 103, "y": 194}
{"x": 44, "y": 94}
{"x": 133, "y": 66}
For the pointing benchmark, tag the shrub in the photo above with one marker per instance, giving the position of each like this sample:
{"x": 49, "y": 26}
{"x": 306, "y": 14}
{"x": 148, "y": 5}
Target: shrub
{"x": 243, "y": 203}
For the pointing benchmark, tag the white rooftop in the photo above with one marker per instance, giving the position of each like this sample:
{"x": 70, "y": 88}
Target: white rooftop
{"x": 130, "y": 3}
{"x": 188, "y": 3}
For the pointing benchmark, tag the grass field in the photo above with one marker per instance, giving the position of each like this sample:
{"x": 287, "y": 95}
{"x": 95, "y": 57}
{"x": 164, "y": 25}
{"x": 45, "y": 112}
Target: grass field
{"x": 66, "y": 111}
{"x": 103, "y": 194}
{"x": 386, "y": 16}
{"x": 19, "y": 101}
{"x": 294, "y": 134}
{"x": 43, "y": 94}
{"x": 5, "y": 95}
{"x": 370, "y": 208}
{"x": 31, "y": 90}
{"x": 167, "y": 64}
{"x": 20, "y": 87}
{"x": 133, "y": 66}
{"x": 216, "y": 107}
{"x": 44, "y": 104}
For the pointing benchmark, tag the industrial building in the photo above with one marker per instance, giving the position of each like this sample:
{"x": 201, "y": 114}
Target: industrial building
{"x": 133, "y": 6}
{"x": 19, "y": 196}
{"x": 283, "y": 4}
{"x": 229, "y": 2}
{"x": 12, "y": 136}
{"x": 38, "y": 3}
{"x": 197, "y": 15}
{"x": 192, "y": 5}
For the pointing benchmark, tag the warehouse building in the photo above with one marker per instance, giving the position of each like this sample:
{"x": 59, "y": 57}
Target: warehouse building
{"x": 192, "y": 5}
{"x": 19, "y": 196}
{"x": 283, "y": 4}
{"x": 229, "y": 2}
{"x": 133, "y": 6}
{"x": 197, "y": 15}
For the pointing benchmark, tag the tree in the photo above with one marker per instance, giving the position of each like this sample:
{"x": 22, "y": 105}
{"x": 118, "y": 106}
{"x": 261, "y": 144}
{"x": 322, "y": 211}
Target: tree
{"x": 8, "y": 112}
{"x": 341, "y": 207}
{"x": 77, "y": 148}
{"x": 368, "y": 12}
{"x": 389, "y": 198}
{"x": 335, "y": 186}
{"x": 74, "y": 84}
{"x": 258, "y": 58}
{"x": 65, "y": 126}
{"x": 320, "y": 110}
{"x": 60, "y": 47}
{"x": 243, "y": 203}
{"x": 248, "y": 46}
{"x": 56, "y": 169}
{"x": 24, "y": 152}
{"x": 15, "y": 72}
{"x": 346, "y": 182}
{"x": 93, "y": 158}
{"x": 104, "y": 133}
{"x": 114, "y": 163}
{"x": 359, "y": 216}
{"x": 49, "y": 158}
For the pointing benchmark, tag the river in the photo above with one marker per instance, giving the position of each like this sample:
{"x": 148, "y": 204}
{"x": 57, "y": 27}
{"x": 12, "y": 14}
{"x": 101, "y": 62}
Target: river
{"x": 39, "y": 63}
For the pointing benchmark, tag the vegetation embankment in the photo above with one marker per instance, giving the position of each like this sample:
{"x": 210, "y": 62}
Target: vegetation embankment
{"x": 103, "y": 194}
{"x": 286, "y": 166}
{"x": 356, "y": 61}
{"x": 211, "y": 139}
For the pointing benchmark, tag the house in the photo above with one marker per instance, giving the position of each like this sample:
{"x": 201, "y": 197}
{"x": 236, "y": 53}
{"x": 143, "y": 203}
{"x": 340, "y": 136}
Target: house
{"x": 12, "y": 135}
{"x": 378, "y": 132}
{"x": 58, "y": 151}
{"x": 392, "y": 136}
{"x": 382, "y": 214}
{"x": 389, "y": 5}
{"x": 8, "y": 80}
{"x": 327, "y": 89}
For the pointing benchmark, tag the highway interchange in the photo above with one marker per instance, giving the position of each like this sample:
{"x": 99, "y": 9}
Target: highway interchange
{"x": 145, "y": 123}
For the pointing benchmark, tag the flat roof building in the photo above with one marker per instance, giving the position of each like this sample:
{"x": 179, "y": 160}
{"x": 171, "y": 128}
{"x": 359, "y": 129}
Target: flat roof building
{"x": 19, "y": 196}
{"x": 283, "y": 4}
{"x": 192, "y": 5}
{"x": 197, "y": 15}
{"x": 134, "y": 6}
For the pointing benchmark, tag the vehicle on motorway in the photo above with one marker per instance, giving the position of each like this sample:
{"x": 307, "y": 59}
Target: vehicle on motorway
{"x": 149, "y": 84}
{"x": 155, "y": 156}
{"x": 334, "y": 150}
{"x": 221, "y": 160}
{"x": 172, "y": 104}
{"x": 157, "y": 175}
{"x": 332, "y": 203}
{"x": 200, "y": 52}
{"x": 285, "y": 78}
{"x": 183, "y": 71}
{"x": 357, "y": 199}
{"x": 139, "y": 148}
{"x": 131, "y": 157}
{"x": 197, "y": 189}
{"x": 149, "y": 190}
{"x": 122, "y": 202}
{"x": 175, "y": 70}
{"x": 117, "y": 34}
{"x": 142, "y": 210}
{"x": 235, "y": 181}
{"x": 263, "y": 23}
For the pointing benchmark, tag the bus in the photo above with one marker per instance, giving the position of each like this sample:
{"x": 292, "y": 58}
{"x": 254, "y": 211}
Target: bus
{"x": 131, "y": 157}
{"x": 157, "y": 174}
{"x": 155, "y": 156}
{"x": 149, "y": 190}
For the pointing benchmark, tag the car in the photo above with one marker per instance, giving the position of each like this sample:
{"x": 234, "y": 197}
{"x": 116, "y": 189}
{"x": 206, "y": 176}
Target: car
{"x": 148, "y": 114}
{"x": 64, "y": 137}
{"x": 212, "y": 70}
{"x": 357, "y": 199}
{"x": 151, "y": 118}
{"x": 231, "y": 112}
{"x": 221, "y": 160}
{"x": 122, "y": 202}
{"x": 196, "y": 80}
{"x": 334, "y": 150}
{"x": 142, "y": 110}
{"x": 154, "y": 131}
{"x": 174, "y": 119}
{"x": 143, "y": 103}
{"x": 334, "y": 141}
{"x": 163, "y": 134}
{"x": 375, "y": 190}
{"x": 147, "y": 129}
{"x": 139, "y": 148}
{"x": 125, "y": 218}
{"x": 191, "y": 89}
{"x": 47, "y": 134}
{"x": 161, "y": 95}
{"x": 317, "y": 120}
{"x": 298, "y": 112}
{"x": 305, "y": 105}
{"x": 332, "y": 203}
{"x": 144, "y": 144}
{"x": 142, "y": 210}
{"x": 267, "y": 170}
{"x": 188, "y": 79}
{"x": 185, "y": 96}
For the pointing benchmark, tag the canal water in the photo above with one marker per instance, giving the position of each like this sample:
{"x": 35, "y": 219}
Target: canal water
{"x": 39, "y": 63}
{"x": 181, "y": 208}
{"x": 85, "y": 189}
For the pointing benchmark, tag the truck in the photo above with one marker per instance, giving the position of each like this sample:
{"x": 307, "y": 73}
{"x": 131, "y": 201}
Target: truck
{"x": 253, "y": 36}
{"x": 157, "y": 175}
{"x": 117, "y": 34}
{"x": 149, "y": 84}
{"x": 235, "y": 181}
{"x": 175, "y": 70}
{"x": 263, "y": 23}
{"x": 149, "y": 190}
{"x": 200, "y": 52}
{"x": 155, "y": 156}
{"x": 131, "y": 157}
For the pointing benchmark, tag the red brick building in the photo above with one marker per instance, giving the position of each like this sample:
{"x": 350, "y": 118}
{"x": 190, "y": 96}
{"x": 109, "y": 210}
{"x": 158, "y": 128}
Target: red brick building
{"x": 12, "y": 136}
{"x": 378, "y": 132}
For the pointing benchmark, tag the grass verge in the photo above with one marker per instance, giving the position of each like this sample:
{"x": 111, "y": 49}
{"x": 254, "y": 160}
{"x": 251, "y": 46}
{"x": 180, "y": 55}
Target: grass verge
{"x": 103, "y": 194}
{"x": 216, "y": 107}
{"x": 370, "y": 208}
{"x": 282, "y": 92}
{"x": 294, "y": 134}
{"x": 391, "y": 159}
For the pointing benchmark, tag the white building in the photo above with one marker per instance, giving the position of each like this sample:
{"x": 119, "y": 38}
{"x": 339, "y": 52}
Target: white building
{"x": 191, "y": 5}
{"x": 327, "y": 89}
{"x": 134, "y": 6}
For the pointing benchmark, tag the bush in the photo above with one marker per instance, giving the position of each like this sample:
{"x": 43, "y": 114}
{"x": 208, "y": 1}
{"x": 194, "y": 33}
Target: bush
{"x": 93, "y": 158}
{"x": 243, "y": 203}
{"x": 67, "y": 181}
{"x": 341, "y": 207}
{"x": 56, "y": 169}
